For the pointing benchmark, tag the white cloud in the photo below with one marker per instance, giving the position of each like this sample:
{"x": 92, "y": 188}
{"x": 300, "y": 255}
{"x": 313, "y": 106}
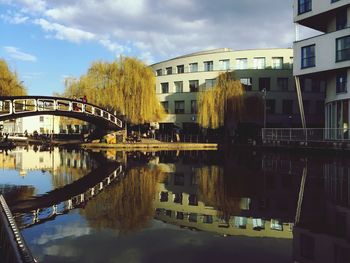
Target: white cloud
{"x": 15, "y": 53}
{"x": 63, "y": 32}
{"x": 163, "y": 29}
{"x": 32, "y": 75}
{"x": 14, "y": 18}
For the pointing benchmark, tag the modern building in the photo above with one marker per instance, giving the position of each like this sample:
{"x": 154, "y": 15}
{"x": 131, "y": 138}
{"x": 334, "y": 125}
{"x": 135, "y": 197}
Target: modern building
{"x": 326, "y": 57}
{"x": 263, "y": 72}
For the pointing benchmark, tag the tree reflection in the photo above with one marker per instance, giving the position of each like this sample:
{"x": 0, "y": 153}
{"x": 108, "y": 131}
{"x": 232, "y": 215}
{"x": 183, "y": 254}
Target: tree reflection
{"x": 128, "y": 206}
{"x": 213, "y": 191}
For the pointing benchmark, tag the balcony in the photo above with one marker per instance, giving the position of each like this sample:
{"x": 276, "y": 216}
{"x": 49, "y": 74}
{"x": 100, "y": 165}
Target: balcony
{"x": 314, "y": 14}
{"x": 325, "y": 53}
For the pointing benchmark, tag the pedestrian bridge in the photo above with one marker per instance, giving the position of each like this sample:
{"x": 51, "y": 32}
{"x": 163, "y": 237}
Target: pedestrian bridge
{"x": 12, "y": 107}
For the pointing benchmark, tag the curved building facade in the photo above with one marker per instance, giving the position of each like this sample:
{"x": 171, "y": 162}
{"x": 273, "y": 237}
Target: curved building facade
{"x": 179, "y": 80}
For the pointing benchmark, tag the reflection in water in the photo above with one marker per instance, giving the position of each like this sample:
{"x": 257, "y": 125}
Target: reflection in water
{"x": 128, "y": 206}
{"x": 242, "y": 194}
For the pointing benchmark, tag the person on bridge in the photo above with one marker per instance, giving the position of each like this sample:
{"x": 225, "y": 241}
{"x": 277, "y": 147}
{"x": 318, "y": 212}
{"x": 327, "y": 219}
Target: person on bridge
{"x": 84, "y": 99}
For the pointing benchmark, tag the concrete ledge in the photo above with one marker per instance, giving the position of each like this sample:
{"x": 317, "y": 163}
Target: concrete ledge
{"x": 156, "y": 146}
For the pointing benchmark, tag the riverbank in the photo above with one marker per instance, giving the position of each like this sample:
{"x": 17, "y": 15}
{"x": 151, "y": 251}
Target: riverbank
{"x": 153, "y": 144}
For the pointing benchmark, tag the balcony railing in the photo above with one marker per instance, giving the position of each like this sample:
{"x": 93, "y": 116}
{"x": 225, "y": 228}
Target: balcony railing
{"x": 305, "y": 135}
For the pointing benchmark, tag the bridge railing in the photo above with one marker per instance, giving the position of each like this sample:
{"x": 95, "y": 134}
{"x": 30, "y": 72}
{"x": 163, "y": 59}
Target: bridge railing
{"x": 22, "y": 104}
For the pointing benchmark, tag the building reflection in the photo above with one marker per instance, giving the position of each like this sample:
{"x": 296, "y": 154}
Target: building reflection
{"x": 323, "y": 232}
{"x": 247, "y": 194}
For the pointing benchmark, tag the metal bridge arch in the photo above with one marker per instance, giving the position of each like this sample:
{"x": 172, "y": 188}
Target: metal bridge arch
{"x": 12, "y": 107}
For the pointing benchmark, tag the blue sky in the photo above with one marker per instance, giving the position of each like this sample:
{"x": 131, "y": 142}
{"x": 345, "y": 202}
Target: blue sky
{"x": 47, "y": 41}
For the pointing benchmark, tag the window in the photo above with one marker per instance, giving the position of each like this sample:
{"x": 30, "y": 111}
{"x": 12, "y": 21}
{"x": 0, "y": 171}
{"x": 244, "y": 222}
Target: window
{"x": 304, "y": 6}
{"x": 287, "y": 106}
{"x": 193, "y": 107}
{"x": 41, "y": 118}
{"x": 208, "y": 66}
{"x": 224, "y": 64}
{"x": 308, "y": 56}
{"x": 159, "y": 72}
{"x": 177, "y": 198}
{"x": 165, "y": 87}
{"x": 194, "y": 85}
{"x": 282, "y": 84}
{"x": 169, "y": 71}
{"x": 343, "y": 48}
{"x": 241, "y": 63}
{"x": 270, "y": 106}
{"x": 341, "y": 19}
{"x": 179, "y": 107}
{"x": 341, "y": 82}
{"x": 164, "y": 197}
{"x": 178, "y": 86}
{"x": 192, "y": 217}
{"x": 264, "y": 84}
{"x": 207, "y": 219}
{"x": 210, "y": 83}
{"x": 193, "y": 67}
{"x": 192, "y": 200}
{"x": 180, "y": 69}
{"x": 259, "y": 63}
{"x": 247, "y": 83}
{"x": 179, "y": 179}
{"x": 277, "y": 63}
{"x": 180, "y": 215}
{"x": 165, "y": 105}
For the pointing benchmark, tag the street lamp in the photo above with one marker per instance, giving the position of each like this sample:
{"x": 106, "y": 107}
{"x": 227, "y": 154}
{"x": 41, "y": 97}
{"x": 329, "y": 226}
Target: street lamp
{"x": 263, "y": 94}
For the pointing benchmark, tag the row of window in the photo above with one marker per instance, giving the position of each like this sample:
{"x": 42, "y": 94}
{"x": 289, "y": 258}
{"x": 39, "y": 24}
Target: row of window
{"x": 179, "y": 106}
{"x": 287, "y": 106}
{"x": 306, "y": 5}
{"x": 225, "y": 64}
{"x": 178, "y": 198}
{"x": 308, "y": 53}
{"x": 193, "y": 85}
{"x": 237, "y": 221}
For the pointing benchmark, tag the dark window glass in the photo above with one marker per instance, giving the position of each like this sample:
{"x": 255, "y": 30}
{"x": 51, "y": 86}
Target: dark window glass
{"x": 180, "y": 69}
{"x": 179, "y": 107}
{"x": 304, "y": 6}
{"x": 164, "y": 196}
{"x": 179, "y": 179}
{"x": 194, "y": 85}
{"x": 308, "y": 56}
{"x": 287, "y": 106}
{"x": 264, "y": 83}
{"x": 193, "y": 107}
{"x": 270, "y": 106}
{"x": 159, "y": 72}
{"x": 343, "y": 48}
{"x": 282, "y": 84}
{"x": 165, "y": 87}
{"x": 169, "y": 71}
{"x": 341, "y": 19}
{"x": 341, "y": 82}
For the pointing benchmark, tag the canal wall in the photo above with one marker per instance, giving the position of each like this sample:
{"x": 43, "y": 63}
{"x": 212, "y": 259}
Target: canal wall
{"x": 12, "y": 245}
{"x": 154, "y": 146}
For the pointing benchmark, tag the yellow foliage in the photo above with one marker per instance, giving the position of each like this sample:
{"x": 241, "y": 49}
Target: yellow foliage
{"x": 222, "y": 103}
{"x": 9, "y": 83}
{"x": 126, "y": 86}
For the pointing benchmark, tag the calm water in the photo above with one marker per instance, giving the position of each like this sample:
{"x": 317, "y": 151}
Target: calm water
{"x": 194, "y": 206}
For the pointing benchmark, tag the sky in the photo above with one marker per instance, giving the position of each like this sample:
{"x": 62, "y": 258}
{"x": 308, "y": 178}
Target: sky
{"x": 47, "y": 41}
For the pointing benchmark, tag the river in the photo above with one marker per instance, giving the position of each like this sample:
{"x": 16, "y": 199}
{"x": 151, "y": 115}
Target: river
{"x": 240, "y": 205}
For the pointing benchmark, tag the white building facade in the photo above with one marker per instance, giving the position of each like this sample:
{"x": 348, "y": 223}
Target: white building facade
{"x": 326, "y": 56}
{"x": 43, "y": 124}
{"x": 179, "y": 81}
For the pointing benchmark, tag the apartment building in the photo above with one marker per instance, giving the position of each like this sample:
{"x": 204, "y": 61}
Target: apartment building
{"x": 263, "y": 72}
{"x": 326, "y": 57}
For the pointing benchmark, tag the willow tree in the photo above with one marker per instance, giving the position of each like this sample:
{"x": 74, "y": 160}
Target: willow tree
{"x": 222, "y": 106}
{"x": 126, "y": 86}
{"x": 9, "y": 82}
